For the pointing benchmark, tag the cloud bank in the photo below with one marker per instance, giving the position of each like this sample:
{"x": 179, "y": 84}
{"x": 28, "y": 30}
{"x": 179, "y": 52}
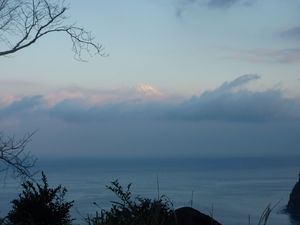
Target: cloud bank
{"x": 229, "y": 120}
{"x": 229, "y": 102}
{"x": 242, "y": 105}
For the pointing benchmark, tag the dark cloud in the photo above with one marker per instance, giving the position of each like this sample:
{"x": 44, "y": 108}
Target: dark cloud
{"x": 243, "y": 106}
{"x": 227, "y": 120}
{"x": 74, "y": 111}
{"x": 229, "y": 102}
{"x": 222, "y": 3}
{"x": 225, "y": 104}
{"x": 183, "y": 5}
{"x": 292, "y": 33}
{"x": 24, "y": 105}
{"x": 227, "y": 86}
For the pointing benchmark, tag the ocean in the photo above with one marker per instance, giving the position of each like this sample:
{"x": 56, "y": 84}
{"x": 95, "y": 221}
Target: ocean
{"x": 232, "y": 189}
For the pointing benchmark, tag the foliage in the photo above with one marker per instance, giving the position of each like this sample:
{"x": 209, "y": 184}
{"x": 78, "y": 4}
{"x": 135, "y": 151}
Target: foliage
{"x": 134, "y": 211}
{"x": 40, "y": 204}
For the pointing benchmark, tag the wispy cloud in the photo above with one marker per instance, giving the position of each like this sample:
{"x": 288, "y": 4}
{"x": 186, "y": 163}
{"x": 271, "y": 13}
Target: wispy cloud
{"x": 183, "y": 5}
{"x": 291, "y": 33}
{"x": 289, "y": 55}
{"x": 240, "y": 81}
{"x": 222, "y": 3}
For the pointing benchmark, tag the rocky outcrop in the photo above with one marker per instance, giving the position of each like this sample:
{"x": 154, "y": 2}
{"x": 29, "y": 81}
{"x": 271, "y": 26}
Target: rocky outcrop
{"x": 293, "y": 206}
{"x": 190, "y": 216}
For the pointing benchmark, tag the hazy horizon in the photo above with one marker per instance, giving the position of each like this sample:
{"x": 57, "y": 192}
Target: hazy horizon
{"x": 182, "y": 78}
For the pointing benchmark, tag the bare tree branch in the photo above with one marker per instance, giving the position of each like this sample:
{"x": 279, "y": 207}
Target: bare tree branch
{"x": 23, "y": 22}
{"x": 13, "y": 157}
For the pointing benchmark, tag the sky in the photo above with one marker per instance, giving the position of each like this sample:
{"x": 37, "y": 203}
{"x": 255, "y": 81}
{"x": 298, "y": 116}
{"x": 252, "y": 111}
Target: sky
{"x": 181, "y": 78}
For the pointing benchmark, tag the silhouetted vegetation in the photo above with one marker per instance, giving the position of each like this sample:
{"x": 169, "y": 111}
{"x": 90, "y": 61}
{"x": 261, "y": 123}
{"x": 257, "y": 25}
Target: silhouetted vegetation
{"x": 134, "y": 211}
{"x": 38, "y": 204}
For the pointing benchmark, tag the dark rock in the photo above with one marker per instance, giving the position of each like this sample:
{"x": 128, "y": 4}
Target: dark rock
{"x": 190, "y": 216}
{"x": 294, "y": 220}
{"x": 293, "y": 206}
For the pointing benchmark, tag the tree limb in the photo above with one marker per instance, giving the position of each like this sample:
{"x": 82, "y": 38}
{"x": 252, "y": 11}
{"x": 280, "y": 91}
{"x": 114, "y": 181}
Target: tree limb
{"x": 23, "y": 22}
{"x": 14, "y": 158}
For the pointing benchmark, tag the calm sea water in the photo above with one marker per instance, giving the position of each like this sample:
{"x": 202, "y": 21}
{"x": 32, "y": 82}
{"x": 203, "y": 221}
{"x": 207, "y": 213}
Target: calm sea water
{"x": 230, "y": 188}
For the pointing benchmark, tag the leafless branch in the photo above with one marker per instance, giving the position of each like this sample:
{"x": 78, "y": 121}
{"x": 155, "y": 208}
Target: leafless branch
{"x": 14, "y": 158}
{"x": 23, "y": 22}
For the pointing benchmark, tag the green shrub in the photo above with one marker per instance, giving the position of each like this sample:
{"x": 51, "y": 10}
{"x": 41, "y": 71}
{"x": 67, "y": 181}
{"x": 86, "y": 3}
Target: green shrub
{"x": 40, "y": 205}
{"x": 137, "y": 211}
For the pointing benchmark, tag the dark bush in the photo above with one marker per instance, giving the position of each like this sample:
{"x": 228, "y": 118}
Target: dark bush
{"x": 137, "y": 211}
{"x": 40, "y": 205}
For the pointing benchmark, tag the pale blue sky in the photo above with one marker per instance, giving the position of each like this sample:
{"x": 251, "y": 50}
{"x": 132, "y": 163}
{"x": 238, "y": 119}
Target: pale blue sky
{"x": 246, "y": 54}
{"x": 148, "y": 43}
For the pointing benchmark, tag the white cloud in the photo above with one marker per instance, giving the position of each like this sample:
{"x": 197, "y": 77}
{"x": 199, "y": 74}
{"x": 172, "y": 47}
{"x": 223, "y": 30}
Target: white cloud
{"x": 148, "y": 90}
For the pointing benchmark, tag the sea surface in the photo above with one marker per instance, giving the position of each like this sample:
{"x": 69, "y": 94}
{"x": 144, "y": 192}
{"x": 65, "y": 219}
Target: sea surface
{"x": 231, "y": 189}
